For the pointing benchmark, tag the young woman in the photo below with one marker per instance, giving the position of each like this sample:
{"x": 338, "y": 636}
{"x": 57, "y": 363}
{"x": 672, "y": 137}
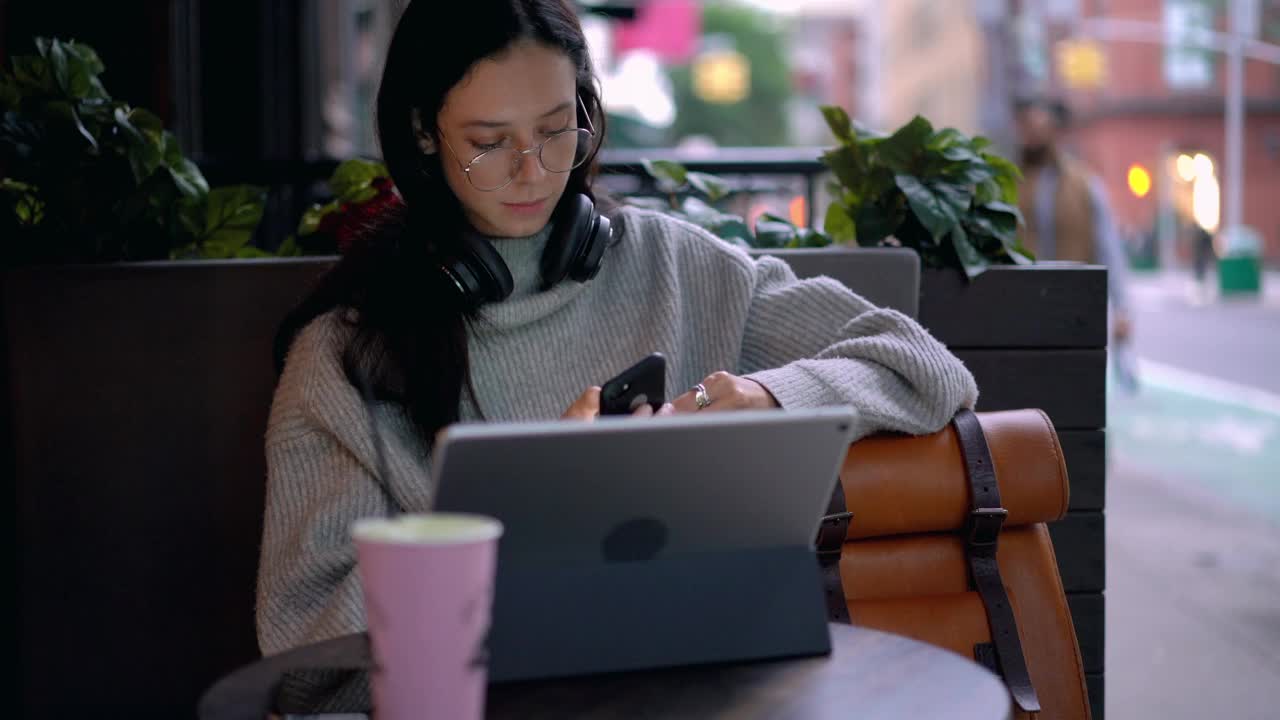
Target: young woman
{"x": 495, "y": 292}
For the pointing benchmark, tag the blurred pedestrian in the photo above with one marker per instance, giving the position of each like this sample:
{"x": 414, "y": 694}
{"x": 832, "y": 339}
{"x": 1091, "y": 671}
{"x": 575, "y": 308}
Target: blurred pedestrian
{"x": 1066, "y": 213}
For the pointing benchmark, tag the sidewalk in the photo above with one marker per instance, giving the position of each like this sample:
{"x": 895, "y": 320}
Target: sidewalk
{"x": 1193, "y": 603}
{"x": 1149, "y": 288}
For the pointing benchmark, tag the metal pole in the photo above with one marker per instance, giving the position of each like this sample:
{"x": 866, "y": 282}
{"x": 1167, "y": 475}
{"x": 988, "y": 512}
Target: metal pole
{"x": 1234, "y": 175}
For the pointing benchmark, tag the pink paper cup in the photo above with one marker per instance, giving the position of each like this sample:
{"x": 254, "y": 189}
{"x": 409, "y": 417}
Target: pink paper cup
{"x": 428, "y": 594}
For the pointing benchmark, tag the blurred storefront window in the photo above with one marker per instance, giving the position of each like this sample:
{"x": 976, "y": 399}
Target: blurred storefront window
{"x": 1187, "y": 68}
{"x": 343, "y": 43}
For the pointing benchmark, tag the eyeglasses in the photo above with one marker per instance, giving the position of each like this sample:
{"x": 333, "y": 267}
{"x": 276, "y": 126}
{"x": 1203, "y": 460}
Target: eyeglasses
{"x": 559, "y": 153}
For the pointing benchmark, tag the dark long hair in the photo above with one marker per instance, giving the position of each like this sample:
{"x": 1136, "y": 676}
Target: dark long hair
{"x": 410, "y": 322}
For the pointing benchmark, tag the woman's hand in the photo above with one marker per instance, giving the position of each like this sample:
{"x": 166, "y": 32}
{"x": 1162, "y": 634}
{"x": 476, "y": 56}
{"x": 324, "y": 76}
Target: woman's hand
{"x": 723, "y": 391}
{"x": 587, "y": 407}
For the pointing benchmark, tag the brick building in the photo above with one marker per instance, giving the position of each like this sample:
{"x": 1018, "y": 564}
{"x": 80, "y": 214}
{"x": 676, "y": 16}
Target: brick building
{"x": 1154, "y": 103}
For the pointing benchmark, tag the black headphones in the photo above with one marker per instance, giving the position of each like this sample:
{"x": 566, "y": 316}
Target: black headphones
{"x": 578, "y": 239}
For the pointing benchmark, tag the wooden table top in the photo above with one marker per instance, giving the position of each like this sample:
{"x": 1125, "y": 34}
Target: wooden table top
{"x": 869, "y": 675}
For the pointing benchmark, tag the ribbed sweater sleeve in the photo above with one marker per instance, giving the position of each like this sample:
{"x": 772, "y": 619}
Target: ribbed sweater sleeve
{"x": 814, "y": 342}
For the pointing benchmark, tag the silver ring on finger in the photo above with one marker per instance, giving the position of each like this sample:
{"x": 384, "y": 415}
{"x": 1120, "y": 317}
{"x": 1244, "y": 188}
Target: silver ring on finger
{"x": 700, "y": 396}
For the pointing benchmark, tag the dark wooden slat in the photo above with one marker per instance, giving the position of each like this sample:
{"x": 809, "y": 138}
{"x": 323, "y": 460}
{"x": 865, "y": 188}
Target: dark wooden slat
{"x": 1044, "y": 306}
{"x": 886, "y": 277}
{"x": 1096, "y": 695}
{"x": 1086, "y": 453}
{"x": 1088, "y": 614}
{"x": 1079, "y": 541}
{"x": 168, "y": 369}
{"x": 1069, "y": 385}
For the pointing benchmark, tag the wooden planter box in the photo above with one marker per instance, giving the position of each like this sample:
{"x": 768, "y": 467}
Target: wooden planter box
{"x": 134, "y": 415}
{"x": 135, "y": 406}
{"x": 1037, "y": 338}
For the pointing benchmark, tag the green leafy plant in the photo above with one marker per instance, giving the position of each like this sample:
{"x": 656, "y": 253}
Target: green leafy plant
{"x": 693, "y": 196}
{"x": 85, "y": 178}
{"x": 362, "y": 191}
{"x": 939, "y": 192}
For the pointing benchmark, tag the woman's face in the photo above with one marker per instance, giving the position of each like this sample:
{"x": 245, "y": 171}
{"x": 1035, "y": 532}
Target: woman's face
{"x": 515, "y": 100}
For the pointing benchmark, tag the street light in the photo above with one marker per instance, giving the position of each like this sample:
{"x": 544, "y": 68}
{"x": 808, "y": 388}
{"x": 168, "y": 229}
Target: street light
{"x": 1186, "y": 167}
{"x": 1139, "y": 180}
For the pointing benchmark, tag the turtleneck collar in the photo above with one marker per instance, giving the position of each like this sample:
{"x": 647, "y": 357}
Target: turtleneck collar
{"x": 523, "y": 257}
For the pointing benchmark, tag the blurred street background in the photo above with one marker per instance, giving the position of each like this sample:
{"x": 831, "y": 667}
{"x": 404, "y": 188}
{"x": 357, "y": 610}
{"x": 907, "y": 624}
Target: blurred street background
{"x": 1171, "y": 107}
{"x": 1193, "y": 508}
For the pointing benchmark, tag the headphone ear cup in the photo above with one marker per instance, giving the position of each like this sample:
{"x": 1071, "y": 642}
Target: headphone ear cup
{"x": 479, "y": 273}
{"x": 598, "y": 238}
{"x": 577, "y": 243}
{"x": 569, "y": 230}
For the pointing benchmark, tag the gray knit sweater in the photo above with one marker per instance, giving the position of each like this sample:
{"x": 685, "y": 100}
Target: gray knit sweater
{"x": 664, "y": 286}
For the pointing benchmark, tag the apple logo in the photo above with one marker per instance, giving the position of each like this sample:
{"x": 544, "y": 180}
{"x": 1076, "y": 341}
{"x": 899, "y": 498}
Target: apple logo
{"x": 635, "y": 540}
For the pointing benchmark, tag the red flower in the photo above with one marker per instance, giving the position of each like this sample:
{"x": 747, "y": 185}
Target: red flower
{"x": 352, "y": 221}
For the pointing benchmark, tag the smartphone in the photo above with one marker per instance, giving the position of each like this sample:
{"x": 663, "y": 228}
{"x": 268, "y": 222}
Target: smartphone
{"x": 644, "y": 382}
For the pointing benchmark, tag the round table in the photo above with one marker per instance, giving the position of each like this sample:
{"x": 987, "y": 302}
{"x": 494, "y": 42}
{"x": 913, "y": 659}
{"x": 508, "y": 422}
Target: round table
{"x": 869, "y": 675}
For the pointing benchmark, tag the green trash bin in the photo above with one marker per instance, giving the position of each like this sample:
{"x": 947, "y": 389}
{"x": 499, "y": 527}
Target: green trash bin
{"x": 1240, "y": 262}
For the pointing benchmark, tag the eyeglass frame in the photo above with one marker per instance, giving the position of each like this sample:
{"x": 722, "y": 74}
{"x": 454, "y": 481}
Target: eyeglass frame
{"x": 466, "y": 169}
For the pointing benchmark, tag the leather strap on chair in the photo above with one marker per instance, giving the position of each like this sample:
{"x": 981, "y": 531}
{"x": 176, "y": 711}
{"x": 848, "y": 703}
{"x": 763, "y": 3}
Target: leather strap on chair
{"x": 982, "y": 534}
{"x": 831, "y": 535}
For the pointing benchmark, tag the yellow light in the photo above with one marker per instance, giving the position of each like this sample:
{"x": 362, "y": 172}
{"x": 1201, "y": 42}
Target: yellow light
{"x": 1081, "y": 63}
{"x": 1203, "y": 165}
{"x": 722, "y": 76}
{"x": 1205, "y": 202}
{"x": 1139, "y": 180}
{"x": 1186, "y": 167}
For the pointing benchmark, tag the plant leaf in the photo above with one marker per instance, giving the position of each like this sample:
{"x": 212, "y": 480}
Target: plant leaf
{"x": 900, "y": 149}
{"x": 987, "y": 191}
{"x": 145, "y": 153}
{"x": 146, "y": 121}
{"x": 1021, "y": 256}
{"x": 875, "y": 222}
{"x": 87, "y": 56}
{"x": 186, "y": 175}
{"x": 934, "y": 206}
{"x": 973, "y": 261}
{"x": 289, "y": 248}
{"x": 32, "y": 73}
{"x": 721, "y": 224}
{"x": 973, "y": 174}
{"x": 811, "y": 238}
{"x": 73, "y": 72}
{"x": 773, "y": 231}
{"x": 945, "y": 138}
{"x": 311, "y": 218}
{"x": 710, "y": 185}
{"x": 1004, "y": 208}
{"x": 232, "y": 215}
{"x": 352, "y": 176}
{"x": 1007, "y": 177}
{"x": 838, "y": 120}
{"x": 839, "y": 225}
{"x": 10, "y": 95}
{"x": 63, "y": 113}
{"x": 847, "y": 163}
{"x": 670, "y": 175}
{"x": 960, "y": 153}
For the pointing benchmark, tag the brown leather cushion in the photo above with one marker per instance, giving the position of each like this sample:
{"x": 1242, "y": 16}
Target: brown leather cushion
{"x": 918, "y": 587}
{"x": 895, "y": 485}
